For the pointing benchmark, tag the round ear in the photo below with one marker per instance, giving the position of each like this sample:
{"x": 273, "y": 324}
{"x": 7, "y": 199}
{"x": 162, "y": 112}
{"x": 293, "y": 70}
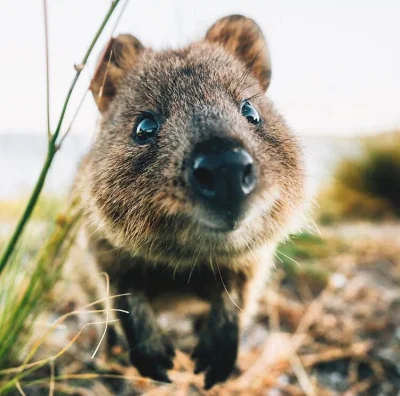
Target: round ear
{"x": 118, "y": 56}
{"x": 243, "y": 38}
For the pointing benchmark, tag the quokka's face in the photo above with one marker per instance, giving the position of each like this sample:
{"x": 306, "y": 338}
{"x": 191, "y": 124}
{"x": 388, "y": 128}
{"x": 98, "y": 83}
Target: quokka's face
{"x": 191, "y": 157}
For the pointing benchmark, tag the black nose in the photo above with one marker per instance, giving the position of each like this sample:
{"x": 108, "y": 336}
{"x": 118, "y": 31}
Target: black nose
{"x": 223, "y": 177}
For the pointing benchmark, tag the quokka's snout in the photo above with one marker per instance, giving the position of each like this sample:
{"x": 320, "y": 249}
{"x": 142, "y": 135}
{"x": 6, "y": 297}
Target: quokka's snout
{"x": 222, "y": 175}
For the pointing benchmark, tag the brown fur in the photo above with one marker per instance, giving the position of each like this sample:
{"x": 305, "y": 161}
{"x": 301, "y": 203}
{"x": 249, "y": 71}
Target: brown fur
{"x": 142, "y": 219}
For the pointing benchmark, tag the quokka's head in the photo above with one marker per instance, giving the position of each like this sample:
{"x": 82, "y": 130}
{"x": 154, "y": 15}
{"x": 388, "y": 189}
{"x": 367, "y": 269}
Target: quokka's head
{"x": 191, "y": 158}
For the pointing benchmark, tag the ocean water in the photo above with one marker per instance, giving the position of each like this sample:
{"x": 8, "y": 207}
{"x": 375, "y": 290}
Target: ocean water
{"x": 22, "y": 156}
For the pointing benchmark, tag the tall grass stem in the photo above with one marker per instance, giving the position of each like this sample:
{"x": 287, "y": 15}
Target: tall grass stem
{"x": 52, "y": 149}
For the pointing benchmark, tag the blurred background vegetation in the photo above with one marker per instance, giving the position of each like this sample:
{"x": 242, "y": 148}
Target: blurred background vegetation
{"x": 365, "y": 187}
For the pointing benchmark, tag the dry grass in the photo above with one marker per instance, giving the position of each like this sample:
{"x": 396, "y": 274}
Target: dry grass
{"x": 338, "y": 338}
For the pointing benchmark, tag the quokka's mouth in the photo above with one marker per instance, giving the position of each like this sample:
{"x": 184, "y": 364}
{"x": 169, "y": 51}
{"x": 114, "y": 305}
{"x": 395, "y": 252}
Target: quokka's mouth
{"x": 219, "y": 224}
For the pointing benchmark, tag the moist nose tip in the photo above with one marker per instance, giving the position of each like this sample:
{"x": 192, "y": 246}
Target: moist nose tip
{"x": 204, "y": 177}
{"x": 223, "y": 178}
{"x": 248, "y": 179}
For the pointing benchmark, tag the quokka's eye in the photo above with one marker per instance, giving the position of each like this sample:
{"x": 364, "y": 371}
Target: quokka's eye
{"x": 251, "y": 114}
{"x": 146, "y": 130}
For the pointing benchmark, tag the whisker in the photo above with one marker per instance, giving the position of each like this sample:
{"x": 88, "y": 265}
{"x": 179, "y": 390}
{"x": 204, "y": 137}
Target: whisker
{"x": 290, "y": 258}
{"x": 223, "y": 283}
{"x": 192, "y": 268}
{"x": 255, "y": 96}
{"x": 211, "y": 264}
{"x": 248, "y": 70}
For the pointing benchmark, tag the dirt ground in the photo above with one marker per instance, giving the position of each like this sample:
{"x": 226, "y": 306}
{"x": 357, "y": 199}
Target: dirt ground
{"x": 329, "y": 326}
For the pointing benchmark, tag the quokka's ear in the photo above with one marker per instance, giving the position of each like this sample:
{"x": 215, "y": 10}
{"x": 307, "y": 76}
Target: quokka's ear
{"x": 243, "y": 38}
{"x": 118, "y": 56}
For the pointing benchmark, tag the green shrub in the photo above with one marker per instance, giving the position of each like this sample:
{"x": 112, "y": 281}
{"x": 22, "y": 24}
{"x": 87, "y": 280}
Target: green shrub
{"x": 366, "y": 187}
{"x": 24, "y": 286}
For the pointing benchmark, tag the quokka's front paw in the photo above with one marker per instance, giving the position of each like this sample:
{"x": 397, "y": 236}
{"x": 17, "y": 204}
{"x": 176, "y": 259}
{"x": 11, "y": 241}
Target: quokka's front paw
{"x": 154, "y": 357}
{"x": 216, "y": 352}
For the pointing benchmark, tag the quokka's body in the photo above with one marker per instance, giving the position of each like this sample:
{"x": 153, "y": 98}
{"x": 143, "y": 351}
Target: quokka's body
{"x": 191, "y": 182}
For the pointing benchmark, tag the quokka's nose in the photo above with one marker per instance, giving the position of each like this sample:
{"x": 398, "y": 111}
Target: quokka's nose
{"x": 223, "y": 176}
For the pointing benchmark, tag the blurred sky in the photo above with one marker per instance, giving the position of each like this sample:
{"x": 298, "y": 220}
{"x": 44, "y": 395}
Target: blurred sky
{"x": 336, "y": 64}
